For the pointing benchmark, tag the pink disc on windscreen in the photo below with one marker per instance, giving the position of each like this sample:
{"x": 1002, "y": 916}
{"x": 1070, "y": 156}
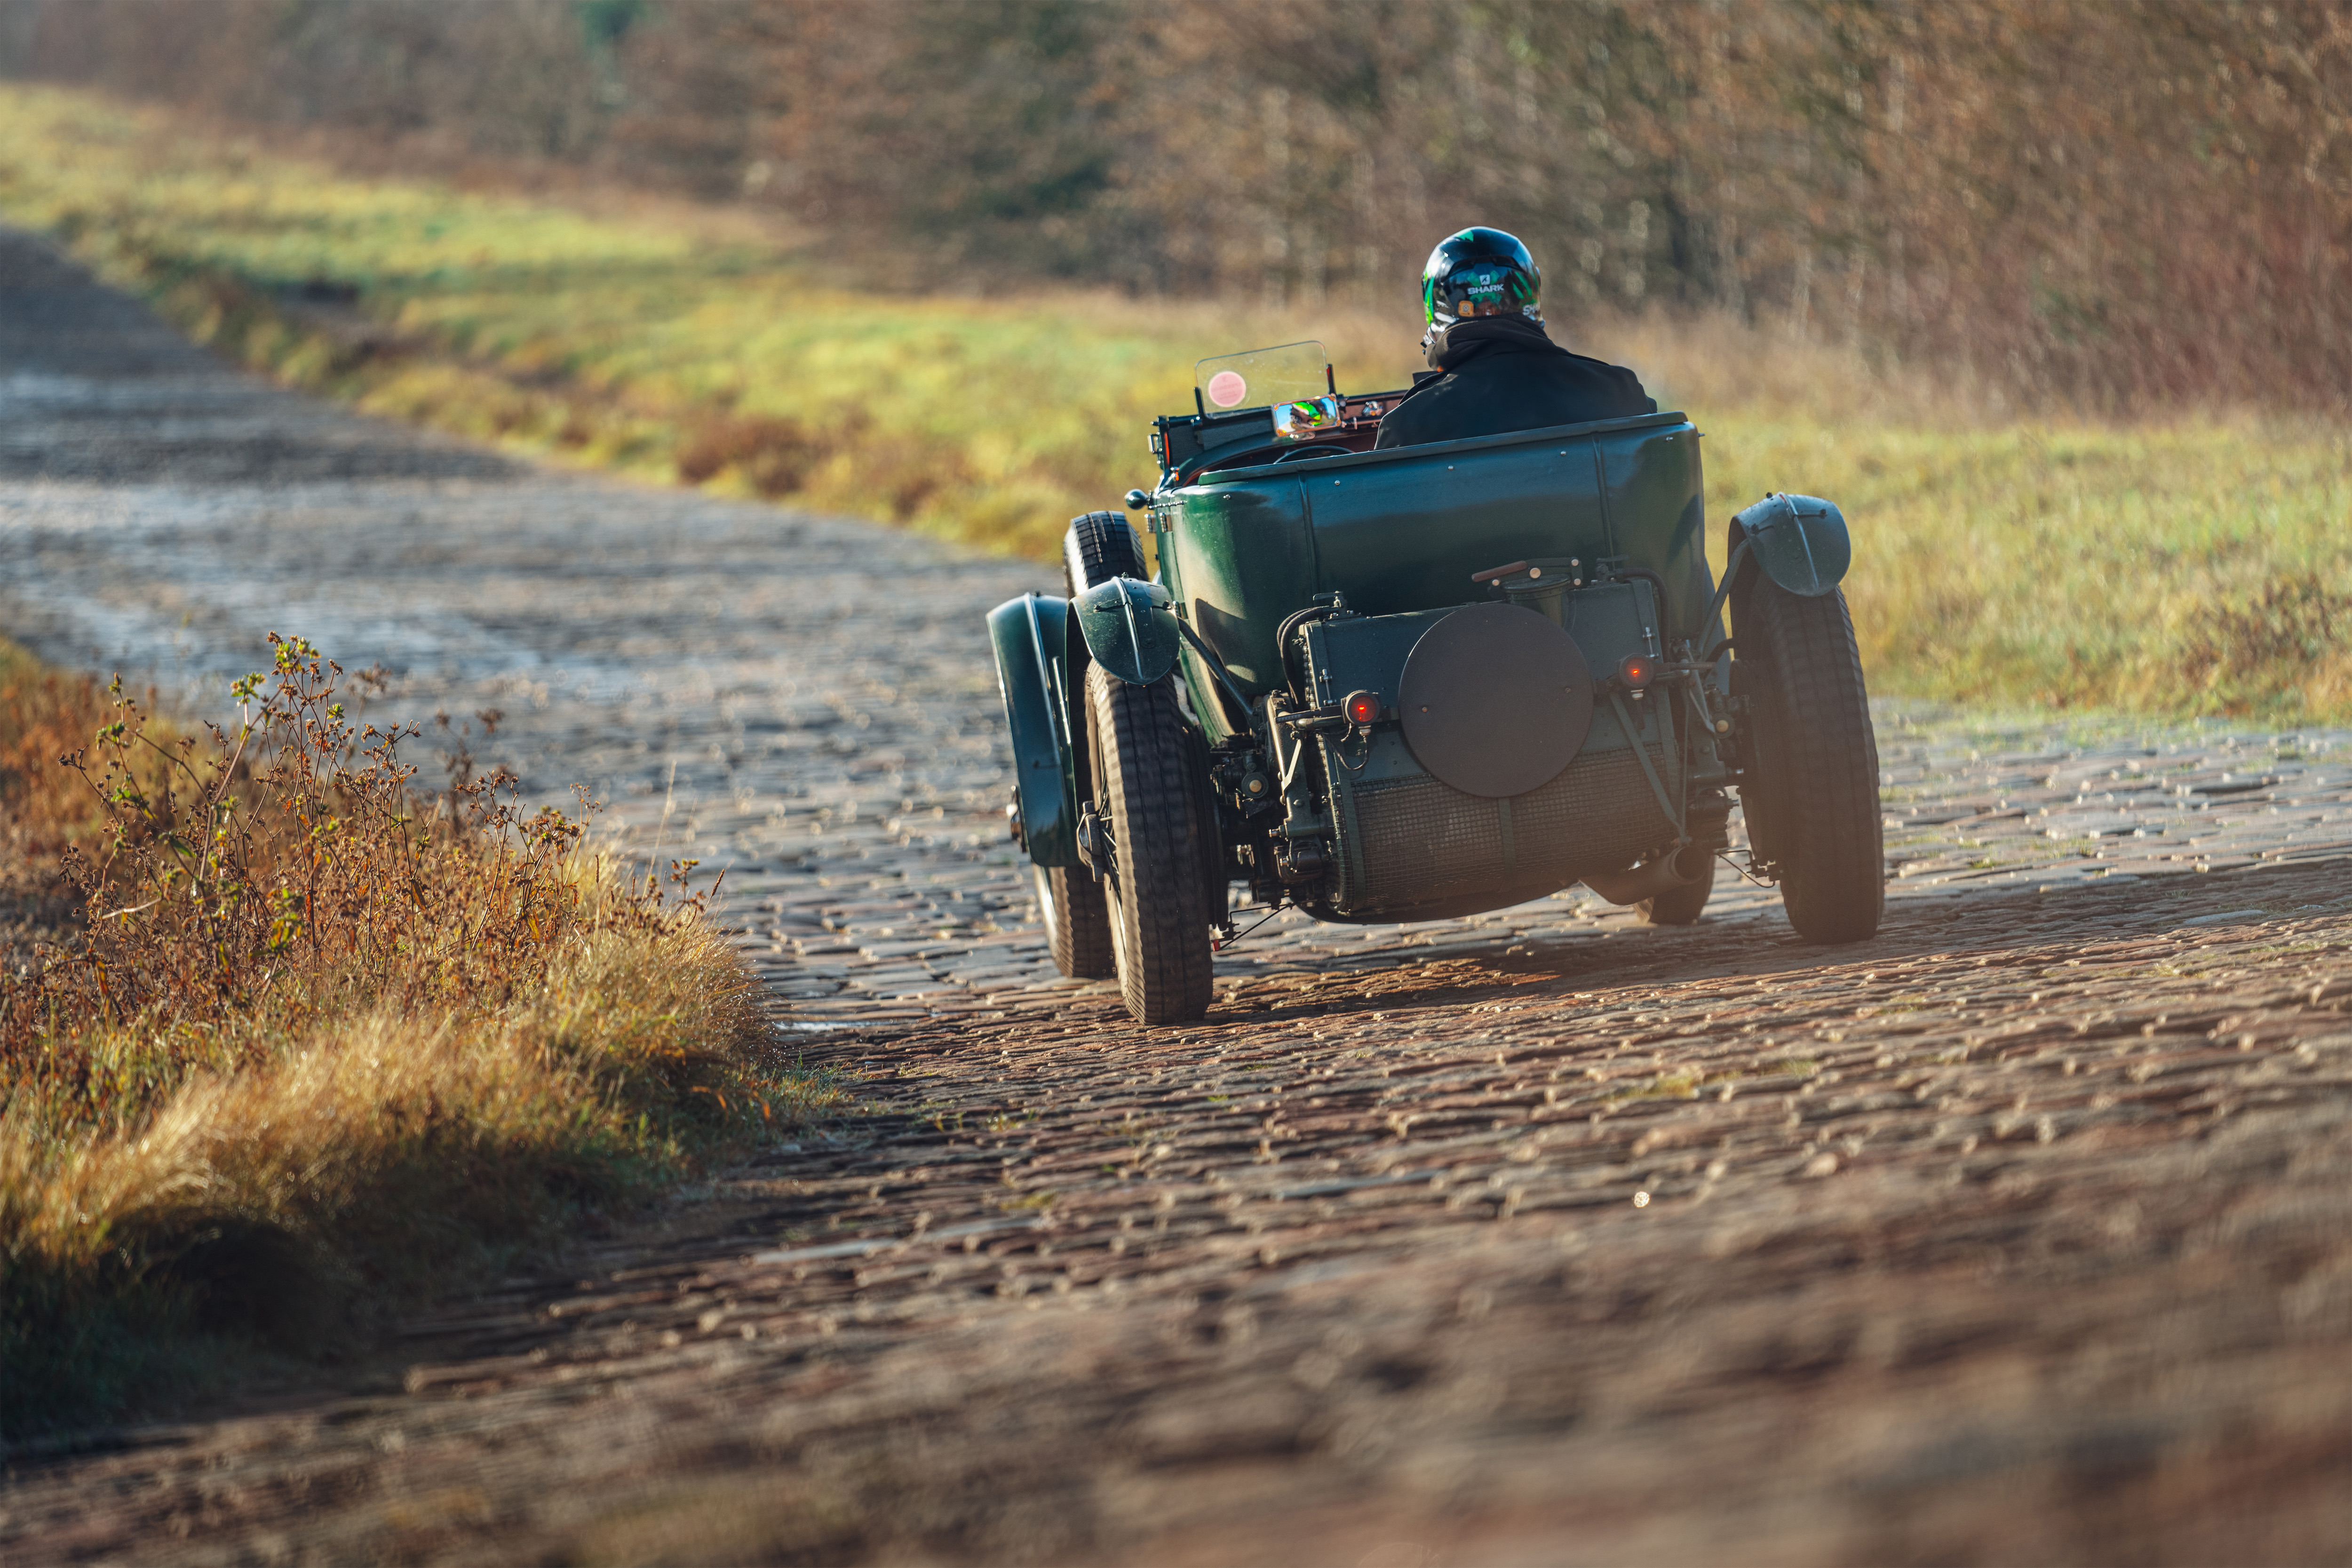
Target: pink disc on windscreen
{"x": 1226, "y": 389}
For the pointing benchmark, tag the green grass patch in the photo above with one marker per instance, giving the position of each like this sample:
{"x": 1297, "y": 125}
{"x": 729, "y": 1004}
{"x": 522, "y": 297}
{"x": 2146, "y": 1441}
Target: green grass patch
{"x": 2193, "y": 566}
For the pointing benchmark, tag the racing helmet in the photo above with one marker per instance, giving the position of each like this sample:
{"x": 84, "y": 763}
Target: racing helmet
{"x": 1479, "y": 272}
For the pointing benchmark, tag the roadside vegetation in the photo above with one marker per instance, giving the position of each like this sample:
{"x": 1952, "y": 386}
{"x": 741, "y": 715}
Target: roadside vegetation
{"x": 2192, "y": 564}
{"x": 306, "y": 1042}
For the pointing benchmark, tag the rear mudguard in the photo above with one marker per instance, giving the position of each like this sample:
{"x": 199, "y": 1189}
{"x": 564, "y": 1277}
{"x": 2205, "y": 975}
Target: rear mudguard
{"x": 1799, "y": 541}
{"x": 1130, "y": 629}
{"x": 1029, "y": 635}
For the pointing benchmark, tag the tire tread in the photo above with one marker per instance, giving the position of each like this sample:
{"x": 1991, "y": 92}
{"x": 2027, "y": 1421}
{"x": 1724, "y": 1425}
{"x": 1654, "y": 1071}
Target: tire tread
{"x": 1099, "y": 546}
{"x": 1078, "y": 924}
{"x": 1160, "y": 912}
{"x": 1818, "y": 816}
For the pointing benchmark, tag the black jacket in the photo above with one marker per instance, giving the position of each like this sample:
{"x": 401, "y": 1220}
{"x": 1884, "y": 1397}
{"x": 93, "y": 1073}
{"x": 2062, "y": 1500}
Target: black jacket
{"x": 1502, "y": 374}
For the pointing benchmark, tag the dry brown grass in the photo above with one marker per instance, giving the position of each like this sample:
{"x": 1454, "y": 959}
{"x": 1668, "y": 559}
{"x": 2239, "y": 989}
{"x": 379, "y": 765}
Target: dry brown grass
{"x": 322, "y": 1043}
{"x": 773, "y": 456}
{"x": 44, "y": 713}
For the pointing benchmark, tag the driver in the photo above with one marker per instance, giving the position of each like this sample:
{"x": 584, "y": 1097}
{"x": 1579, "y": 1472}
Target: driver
{"x": 1498, "y": 369}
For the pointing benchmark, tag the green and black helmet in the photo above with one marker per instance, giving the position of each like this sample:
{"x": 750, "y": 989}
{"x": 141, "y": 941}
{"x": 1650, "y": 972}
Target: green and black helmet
{"x": 1479, "y": 272}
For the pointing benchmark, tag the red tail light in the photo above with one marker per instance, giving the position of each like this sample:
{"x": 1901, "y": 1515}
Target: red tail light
{"x": 1635, "y": 669}
{"x": 1363, "y": 707}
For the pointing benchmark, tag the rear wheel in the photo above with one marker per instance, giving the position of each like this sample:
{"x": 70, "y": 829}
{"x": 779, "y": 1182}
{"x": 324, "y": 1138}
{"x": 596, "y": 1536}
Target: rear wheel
{"x": 1158, "y": 811}
{"x": 1680, "y": 906}
{"x": 1077, "y": 922}
{"x": 1811, "y": 795}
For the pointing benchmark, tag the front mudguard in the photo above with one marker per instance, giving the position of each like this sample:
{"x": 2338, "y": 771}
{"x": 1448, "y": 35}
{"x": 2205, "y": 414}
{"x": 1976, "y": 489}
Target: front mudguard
{"x": 1030, "y": 637}
{"x": 1799, "y": 541}
{"x": 1130, "y": 629}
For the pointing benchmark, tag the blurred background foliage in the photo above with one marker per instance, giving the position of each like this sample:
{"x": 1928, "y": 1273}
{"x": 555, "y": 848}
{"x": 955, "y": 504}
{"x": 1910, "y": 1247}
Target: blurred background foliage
{"x": 2052, "y": 200}
{"x": 2045, "y": 296}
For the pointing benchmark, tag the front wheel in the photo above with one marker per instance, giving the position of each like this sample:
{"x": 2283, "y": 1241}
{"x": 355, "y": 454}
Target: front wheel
{"x": 1077, "y": 922}
{"x": 1099, "y": 546}
{"x": 1158, "y": 812}
{"x": 1811, "y": 793}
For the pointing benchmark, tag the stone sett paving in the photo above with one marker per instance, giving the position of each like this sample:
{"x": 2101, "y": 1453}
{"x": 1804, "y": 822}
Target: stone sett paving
{"x": 2018, "y": 1233}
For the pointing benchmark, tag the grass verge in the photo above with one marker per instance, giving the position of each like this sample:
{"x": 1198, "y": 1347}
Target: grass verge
{"x": 320, "y": 1046}
{"x": 2196, "y": 565}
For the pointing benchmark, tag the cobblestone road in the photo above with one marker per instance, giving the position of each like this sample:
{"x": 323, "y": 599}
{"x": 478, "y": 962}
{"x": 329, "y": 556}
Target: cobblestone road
{"x": 2018, "y": 1233}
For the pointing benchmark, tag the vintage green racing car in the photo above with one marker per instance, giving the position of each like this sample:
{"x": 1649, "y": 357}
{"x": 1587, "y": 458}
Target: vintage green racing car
{"x": 1424, "y": 681}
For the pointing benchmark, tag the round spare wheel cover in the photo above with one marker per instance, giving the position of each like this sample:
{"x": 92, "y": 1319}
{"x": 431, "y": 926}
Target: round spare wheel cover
{"x": 1496, "y": 700}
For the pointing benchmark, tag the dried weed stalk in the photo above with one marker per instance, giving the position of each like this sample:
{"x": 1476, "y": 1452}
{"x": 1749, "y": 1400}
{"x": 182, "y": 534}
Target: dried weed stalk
{"x": 295, "y": 846}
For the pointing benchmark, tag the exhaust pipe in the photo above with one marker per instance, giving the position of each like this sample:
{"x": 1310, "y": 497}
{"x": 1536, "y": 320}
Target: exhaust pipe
{"x": 1663, "y": 875}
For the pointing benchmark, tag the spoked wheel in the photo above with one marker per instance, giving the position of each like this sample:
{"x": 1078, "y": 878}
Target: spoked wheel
{"x": 1811, "y": 795}
{"x": 1679, "y": 906}
{"x": 1078, "y": 921}
{"x": 1158, "y": 812}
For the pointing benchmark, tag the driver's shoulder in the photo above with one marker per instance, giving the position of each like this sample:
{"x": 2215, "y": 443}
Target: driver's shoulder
{"x": 1607, "y": 367}
{"x": 1427, "y": 399}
